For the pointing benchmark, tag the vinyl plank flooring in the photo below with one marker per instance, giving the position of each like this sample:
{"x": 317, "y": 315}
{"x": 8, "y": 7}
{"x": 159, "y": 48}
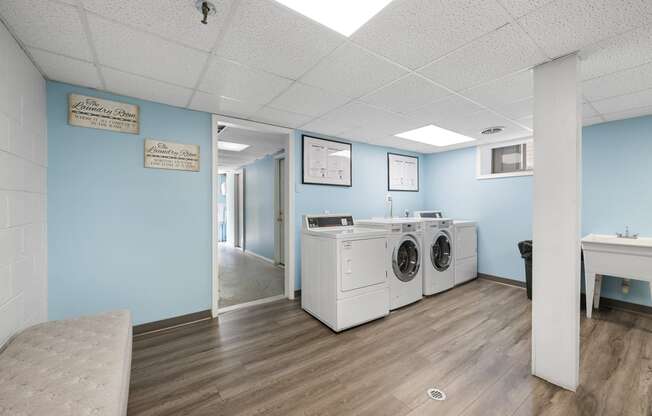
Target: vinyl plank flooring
{"x": 472, "y": 341}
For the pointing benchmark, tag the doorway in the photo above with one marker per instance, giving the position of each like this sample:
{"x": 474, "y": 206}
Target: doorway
{"x": 253, "y": 265}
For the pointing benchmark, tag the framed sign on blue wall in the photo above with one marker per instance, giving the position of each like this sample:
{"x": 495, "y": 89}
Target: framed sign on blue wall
{"x": 402, "y": 173}
{"x": 326, "y": 162}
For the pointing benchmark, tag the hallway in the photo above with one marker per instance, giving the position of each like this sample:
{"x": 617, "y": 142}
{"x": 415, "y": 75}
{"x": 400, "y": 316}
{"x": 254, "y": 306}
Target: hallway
{"x": 245, "y": 278}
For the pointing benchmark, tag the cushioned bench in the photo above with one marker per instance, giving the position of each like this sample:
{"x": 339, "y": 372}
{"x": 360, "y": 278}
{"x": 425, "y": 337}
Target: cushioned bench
{"x": 72, "y": 367}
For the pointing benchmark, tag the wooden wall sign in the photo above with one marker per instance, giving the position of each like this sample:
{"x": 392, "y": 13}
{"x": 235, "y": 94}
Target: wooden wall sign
{"x": 168, "y": 155}
{"x": 101, "y": 114}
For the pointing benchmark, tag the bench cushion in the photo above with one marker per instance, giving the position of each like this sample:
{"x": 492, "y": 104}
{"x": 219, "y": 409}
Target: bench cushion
{"x": 71, "y": 367}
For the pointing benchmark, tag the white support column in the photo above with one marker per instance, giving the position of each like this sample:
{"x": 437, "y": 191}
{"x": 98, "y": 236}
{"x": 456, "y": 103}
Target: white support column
{"x": 556, "y": 222}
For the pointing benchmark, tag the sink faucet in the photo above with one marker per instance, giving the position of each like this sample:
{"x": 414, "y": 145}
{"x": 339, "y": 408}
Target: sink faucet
{"x": 627, "y": 235}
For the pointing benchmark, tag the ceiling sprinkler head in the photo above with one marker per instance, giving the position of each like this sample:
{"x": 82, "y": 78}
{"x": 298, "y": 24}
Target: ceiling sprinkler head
{"x": 206, "y": 8}
{"x": 493, "y": 130}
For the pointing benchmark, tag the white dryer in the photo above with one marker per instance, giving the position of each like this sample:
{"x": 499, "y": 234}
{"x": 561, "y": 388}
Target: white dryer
{"x": 343, "y": 275}
{"x": 438, "y": 263}
{"x": 403, "y": 258}
{"x": 466, "y": 251}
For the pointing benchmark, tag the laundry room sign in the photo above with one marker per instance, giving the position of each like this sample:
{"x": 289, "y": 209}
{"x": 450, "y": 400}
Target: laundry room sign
{"x": 101, "y": 114}
{"x": 168, "y": 155}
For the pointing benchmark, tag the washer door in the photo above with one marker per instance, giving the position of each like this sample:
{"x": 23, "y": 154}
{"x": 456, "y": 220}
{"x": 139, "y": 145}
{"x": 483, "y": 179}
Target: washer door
{"x": 440, "y": 252}
{"x": 406, "y": 259}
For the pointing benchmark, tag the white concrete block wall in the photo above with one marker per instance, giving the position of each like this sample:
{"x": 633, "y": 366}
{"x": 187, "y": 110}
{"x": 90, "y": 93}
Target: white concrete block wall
{"x": 23, "y": 184}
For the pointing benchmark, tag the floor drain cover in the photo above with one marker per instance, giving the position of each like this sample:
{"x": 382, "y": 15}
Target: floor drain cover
{"x": 436, "y": 394}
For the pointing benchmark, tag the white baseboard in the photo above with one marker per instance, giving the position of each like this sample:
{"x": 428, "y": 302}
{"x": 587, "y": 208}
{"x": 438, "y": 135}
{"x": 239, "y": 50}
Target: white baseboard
{"x": 250, "y": 304}
{"x": 263, "y": 258}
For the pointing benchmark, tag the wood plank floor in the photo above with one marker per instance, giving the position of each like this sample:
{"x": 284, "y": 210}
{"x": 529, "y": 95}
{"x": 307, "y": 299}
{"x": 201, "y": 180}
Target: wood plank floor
{"x": 473, "y": 342}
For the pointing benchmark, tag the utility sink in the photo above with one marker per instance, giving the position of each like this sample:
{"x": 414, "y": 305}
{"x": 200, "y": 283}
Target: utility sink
{"x": 627, "y": 258}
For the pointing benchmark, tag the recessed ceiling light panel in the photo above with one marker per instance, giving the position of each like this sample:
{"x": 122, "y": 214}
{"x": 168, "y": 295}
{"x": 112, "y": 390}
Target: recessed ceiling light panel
{"x": 343, "y": 16}
{"x": 435, "y": 136}
{"x": 230, "y": 146}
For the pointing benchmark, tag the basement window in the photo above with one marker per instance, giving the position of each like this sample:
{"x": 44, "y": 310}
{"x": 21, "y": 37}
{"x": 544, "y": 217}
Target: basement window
{"x": 506, "y": 159}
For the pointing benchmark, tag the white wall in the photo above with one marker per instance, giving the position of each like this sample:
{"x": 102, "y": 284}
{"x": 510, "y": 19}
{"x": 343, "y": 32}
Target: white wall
{"x": 23, "y": 173}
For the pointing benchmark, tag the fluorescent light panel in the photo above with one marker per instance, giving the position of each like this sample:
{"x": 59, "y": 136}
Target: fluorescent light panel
{"x": 435, "y": 136}
{"x": 230, "y": 146}
{"x": 343, "y": 16}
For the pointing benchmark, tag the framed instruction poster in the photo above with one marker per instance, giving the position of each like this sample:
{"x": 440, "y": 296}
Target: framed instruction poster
{"x": 402, "y": 173}
{"x": 326, "y": 162}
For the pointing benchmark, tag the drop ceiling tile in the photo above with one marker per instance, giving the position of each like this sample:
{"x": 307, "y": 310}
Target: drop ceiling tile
{"x": 527, "y": 122}
{"x": 588, "y": 110}
{"x": 47, "y": 25}
{"x": 144, "y": 54}
{"x": 280, "y": 117}
{"x": 514, "y": 87}
{"x": 589, "y": 121}
{"x": 325, "y": 126}
{"x": 562, "y": 26}
{"x": 172, "y": 19}
{"x": 64, "y": 69}
{"x": 353, "y": 72}
{"x": 517, "y": 109}
{"x": 415, "y": 32}
{"x": 147, "y": 89}
{"x": 356, "y": 115}
{"x": 619, "y": 83}
{"x": 624, "y": 102}
{"x": 263, "y": 34}
{"x": 445, "y": 111}
{"x": 503, "y": 91}
{"x": 634, "y": 112}
{"x": 518, "y": 8}
{"x": 231, "y": 79}
{"x": 616, "y": 54}
{"x": 499, "y": 53}
{"x": 406, "y": 94}
{"x": 474, "y": 124}
{"x": 308, "y": 100}
{"x": 211, "y": 103}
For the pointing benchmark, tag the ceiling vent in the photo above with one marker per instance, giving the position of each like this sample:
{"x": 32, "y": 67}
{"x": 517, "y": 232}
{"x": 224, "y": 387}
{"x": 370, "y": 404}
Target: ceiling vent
{"x": 493, "y": 130}
{"x": 206, "y": 8}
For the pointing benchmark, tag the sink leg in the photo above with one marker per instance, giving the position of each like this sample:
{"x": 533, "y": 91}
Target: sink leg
{"x": 598, "y": 290}
{"x": 589, "y": 281}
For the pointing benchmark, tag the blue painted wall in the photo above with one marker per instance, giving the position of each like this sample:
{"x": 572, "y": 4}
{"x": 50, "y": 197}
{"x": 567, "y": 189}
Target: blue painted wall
{"x": 120, "y": 235}
{"x": 365, "y": 199}
{"x": 259, "y": 207}
{"x": 617, "y": 188}
{"x": 502, "y": 208}
{"x": 616, "y": 192}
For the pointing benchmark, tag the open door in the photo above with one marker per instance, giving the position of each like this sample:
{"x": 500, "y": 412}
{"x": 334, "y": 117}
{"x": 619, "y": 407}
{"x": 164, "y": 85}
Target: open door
{"x": 279, "y": 210}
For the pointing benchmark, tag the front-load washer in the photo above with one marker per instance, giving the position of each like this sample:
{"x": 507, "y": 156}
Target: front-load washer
{"x": 438, "y": 259}
{"x": 404, "y": 258}
{"x": 343, "y": 271}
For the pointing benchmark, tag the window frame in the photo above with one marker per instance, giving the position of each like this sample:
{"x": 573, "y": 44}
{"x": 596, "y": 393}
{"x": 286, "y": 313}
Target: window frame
{"x": 484, "y": 159}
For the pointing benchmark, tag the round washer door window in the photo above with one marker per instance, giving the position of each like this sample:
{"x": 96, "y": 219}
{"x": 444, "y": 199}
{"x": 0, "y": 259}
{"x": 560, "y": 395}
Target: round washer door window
{"x": 440, "y": 252}
{"x": 406, "y": 259}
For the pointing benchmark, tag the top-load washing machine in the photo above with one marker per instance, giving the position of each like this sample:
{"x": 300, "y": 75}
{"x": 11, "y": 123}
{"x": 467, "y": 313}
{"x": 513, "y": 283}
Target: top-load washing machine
{"x": 403, "y": 257}
{"x": 343, "y": 271}
{"x": 438, "y": 263}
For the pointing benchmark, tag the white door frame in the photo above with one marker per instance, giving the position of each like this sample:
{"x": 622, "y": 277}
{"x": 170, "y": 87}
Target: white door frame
{"x": 289, "y": 203}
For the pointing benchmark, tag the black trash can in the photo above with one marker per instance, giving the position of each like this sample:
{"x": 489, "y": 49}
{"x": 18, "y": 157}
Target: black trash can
{"x": 525, "y": 247}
